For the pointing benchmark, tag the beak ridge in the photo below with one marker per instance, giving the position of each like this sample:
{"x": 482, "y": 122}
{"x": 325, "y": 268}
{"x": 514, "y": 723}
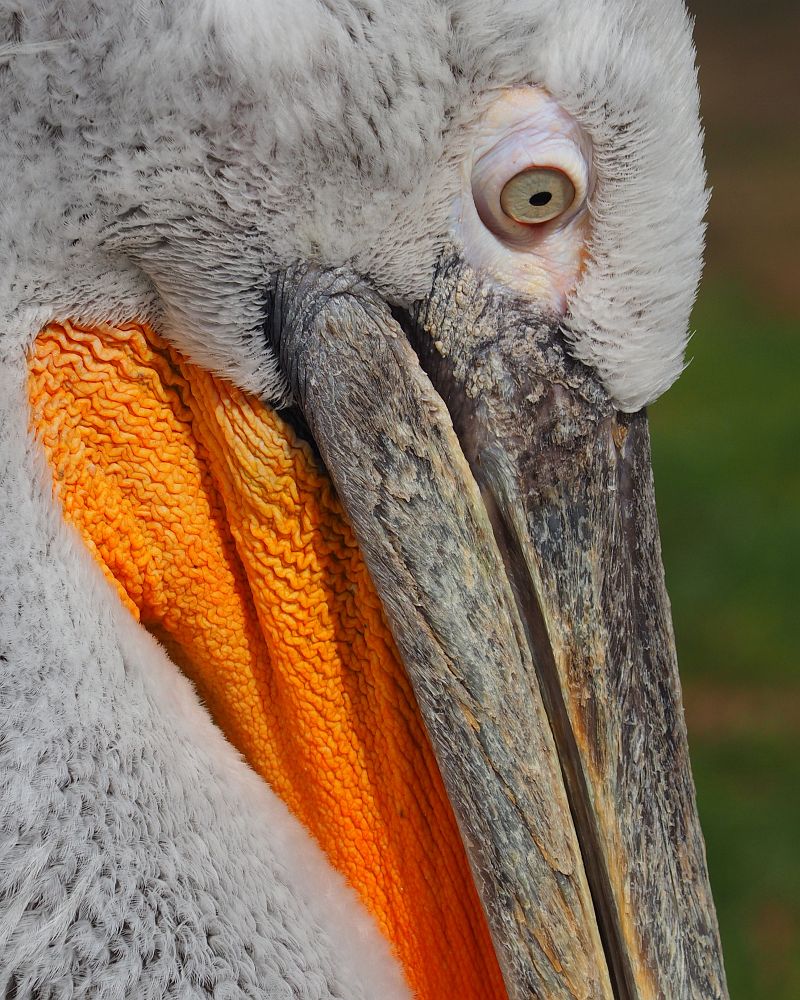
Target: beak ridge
{"x": 519, "y": 569}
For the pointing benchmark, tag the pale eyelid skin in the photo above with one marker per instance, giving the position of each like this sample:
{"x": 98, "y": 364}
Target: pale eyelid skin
{"x": 525, "y": 127}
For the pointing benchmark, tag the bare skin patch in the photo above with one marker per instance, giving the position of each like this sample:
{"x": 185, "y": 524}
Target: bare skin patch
{"x": 222, "y": 535}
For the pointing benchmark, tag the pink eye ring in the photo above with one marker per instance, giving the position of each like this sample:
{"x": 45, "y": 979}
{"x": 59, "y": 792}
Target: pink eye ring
{"x": 522, "y": 217}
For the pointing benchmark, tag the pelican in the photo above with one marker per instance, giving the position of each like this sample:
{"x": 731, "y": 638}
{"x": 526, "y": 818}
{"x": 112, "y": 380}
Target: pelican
{"x": 337, "y": 660}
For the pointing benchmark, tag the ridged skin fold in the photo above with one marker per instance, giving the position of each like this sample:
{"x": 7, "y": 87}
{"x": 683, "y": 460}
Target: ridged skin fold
{"x": 223, "y": 536}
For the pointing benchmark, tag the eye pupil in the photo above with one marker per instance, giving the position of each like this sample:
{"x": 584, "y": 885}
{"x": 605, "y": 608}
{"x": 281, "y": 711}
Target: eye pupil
{"x": 540, "y": 198}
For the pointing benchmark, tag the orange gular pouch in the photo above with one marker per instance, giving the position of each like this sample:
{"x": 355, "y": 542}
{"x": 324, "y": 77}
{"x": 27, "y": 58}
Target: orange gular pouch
{"x": 224, "y": 537}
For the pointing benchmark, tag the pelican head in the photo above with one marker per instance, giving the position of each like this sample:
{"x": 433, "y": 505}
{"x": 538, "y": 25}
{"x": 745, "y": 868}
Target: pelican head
{"x": 453, "y": 247}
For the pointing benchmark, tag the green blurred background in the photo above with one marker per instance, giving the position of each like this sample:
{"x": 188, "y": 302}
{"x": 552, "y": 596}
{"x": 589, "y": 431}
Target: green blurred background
{"x": 726, "y": 449}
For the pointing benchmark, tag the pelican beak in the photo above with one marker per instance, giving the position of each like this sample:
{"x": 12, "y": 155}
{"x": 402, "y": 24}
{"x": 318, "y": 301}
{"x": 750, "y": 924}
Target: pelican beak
{"x": 506, "y": 512}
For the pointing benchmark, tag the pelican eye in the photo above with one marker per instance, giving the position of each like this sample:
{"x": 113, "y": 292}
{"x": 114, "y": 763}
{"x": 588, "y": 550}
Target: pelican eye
{"x": 537, "y": 195}
{"x": 523, "y": 215}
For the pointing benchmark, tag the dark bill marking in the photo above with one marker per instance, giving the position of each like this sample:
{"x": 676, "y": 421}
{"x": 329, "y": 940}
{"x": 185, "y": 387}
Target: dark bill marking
{"x": 388, "y": 443}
